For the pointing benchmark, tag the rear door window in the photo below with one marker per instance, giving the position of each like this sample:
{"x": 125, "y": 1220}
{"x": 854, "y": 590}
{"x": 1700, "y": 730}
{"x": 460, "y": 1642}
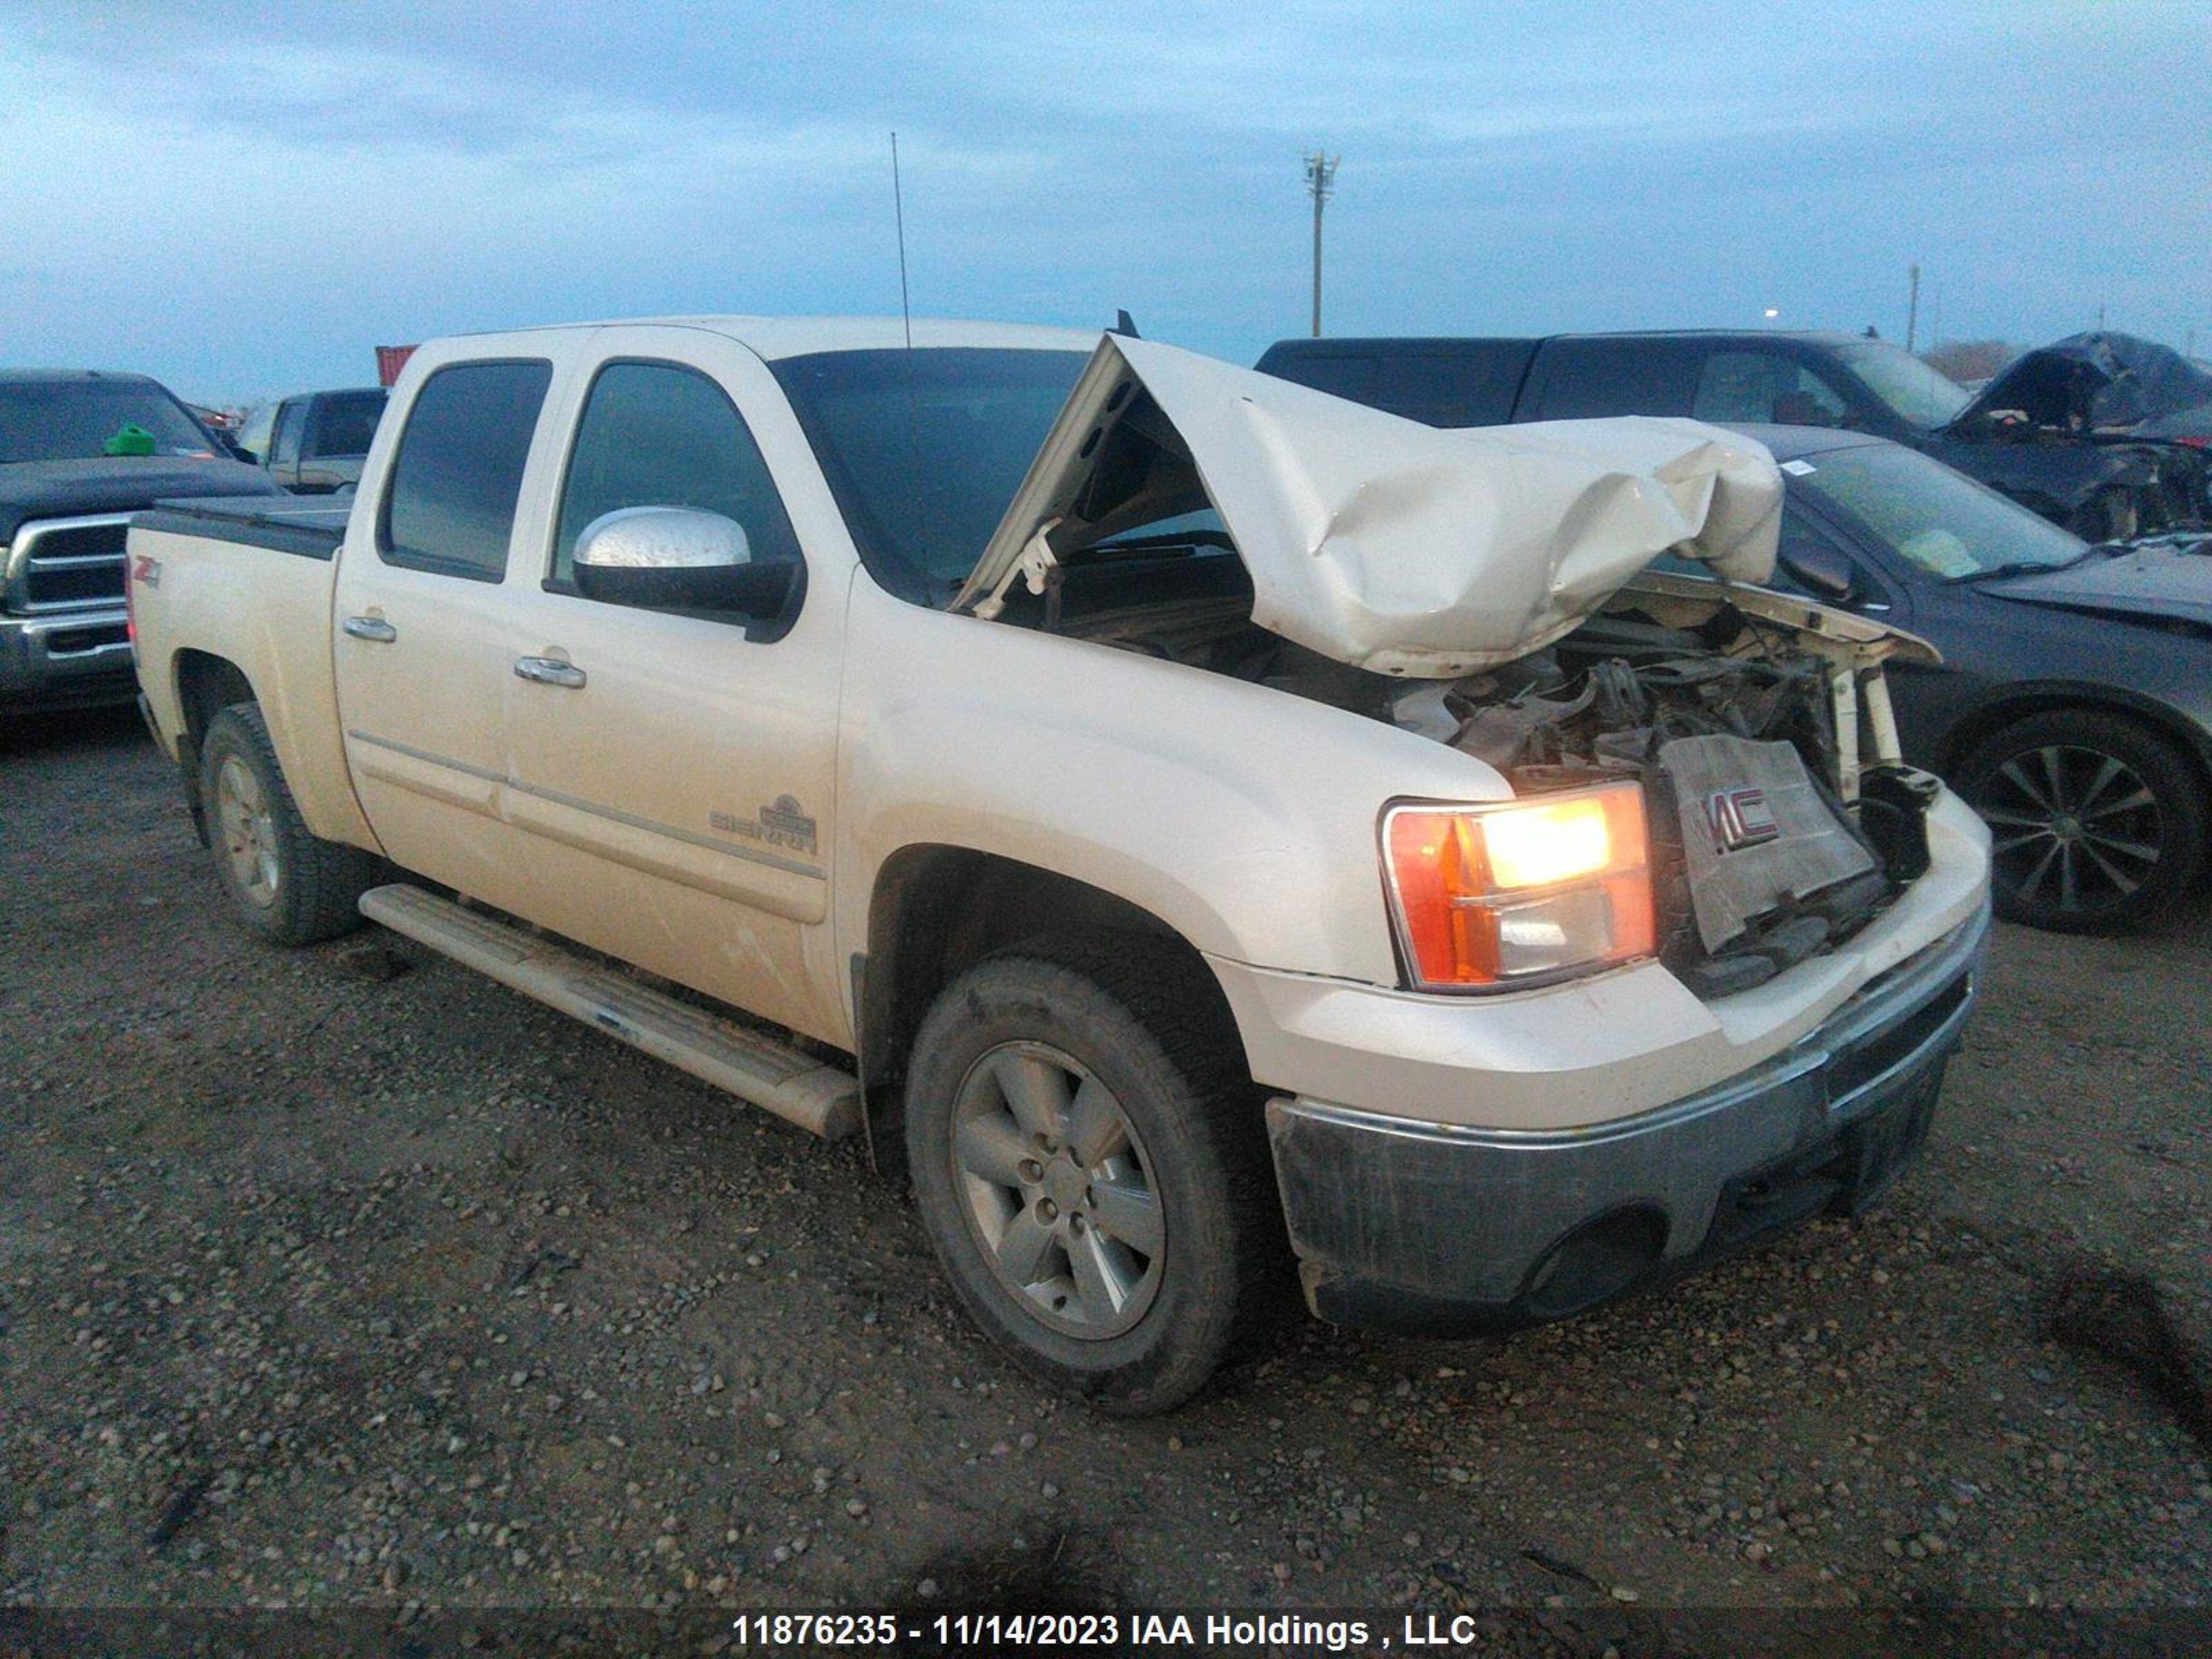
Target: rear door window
{"x": 1470, "y": 384}
{"x": 450, "y": 505}
{"x": 1341, "y": 374}
{"x": 1583, "y": 379}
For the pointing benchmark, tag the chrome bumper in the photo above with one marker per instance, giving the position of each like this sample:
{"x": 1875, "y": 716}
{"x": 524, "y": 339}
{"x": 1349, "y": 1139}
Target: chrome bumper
{"x": 1410, "y": 1225}
{"x": 66, "y": 657}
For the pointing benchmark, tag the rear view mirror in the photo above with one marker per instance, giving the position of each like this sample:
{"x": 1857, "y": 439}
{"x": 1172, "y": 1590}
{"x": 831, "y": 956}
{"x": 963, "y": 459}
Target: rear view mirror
{"x": 678, "y": 558}
{"x": 1822, "y": 571}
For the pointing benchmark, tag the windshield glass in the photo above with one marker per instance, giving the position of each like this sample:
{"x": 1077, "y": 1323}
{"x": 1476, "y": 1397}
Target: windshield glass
{"x": 1918, "y": 393}
{"x": 75, "y": 420}
{"x": 925, "y": 449}
{"x": 1939, "y": 520}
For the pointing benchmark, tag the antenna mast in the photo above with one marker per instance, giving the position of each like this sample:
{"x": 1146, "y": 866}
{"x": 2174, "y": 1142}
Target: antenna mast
{"x": 1320, "y": 183}
{"x": 898, "y": 207}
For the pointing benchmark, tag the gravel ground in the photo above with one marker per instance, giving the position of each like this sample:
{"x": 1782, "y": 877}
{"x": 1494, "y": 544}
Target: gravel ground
{"x": 342, "y": 1276}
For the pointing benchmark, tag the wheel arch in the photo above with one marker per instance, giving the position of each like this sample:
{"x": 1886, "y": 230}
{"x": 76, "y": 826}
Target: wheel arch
{"x": 205, "y": 685}
{"x": 936, "y": 910}
{"x": 2019, "y": 701}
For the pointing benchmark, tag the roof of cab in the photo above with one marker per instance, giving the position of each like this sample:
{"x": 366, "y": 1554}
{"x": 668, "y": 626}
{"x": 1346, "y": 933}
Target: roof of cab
{"x": 794, "y": 337}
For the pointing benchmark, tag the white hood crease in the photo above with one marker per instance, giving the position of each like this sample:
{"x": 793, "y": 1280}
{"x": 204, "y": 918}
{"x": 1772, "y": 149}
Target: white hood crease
{"x": 1400, "y": 547}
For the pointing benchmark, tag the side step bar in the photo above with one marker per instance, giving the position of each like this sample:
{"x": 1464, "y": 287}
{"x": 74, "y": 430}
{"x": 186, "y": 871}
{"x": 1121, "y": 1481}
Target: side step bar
{"x": 772, "y": 1075}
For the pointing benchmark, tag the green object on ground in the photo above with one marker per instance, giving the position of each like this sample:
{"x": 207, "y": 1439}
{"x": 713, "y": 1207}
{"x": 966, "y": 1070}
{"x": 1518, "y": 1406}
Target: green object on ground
{"x": 129, "y": 439}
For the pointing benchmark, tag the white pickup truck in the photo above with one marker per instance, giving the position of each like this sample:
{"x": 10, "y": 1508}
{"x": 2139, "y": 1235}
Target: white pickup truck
{"x": 1191, "y": 825}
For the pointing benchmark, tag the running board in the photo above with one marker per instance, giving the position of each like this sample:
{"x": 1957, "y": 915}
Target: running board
{"x": 771, "y": 1075}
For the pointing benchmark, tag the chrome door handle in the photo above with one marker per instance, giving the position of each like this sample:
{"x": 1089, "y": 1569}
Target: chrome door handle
{"x": 548, "y": 671}
{"x": 371, "y": 628}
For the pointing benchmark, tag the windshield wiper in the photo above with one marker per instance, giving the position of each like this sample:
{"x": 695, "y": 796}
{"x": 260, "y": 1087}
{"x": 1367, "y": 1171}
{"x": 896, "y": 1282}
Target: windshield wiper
{"x": 1186, "y": 541}
{"x": 2022, "y": 568}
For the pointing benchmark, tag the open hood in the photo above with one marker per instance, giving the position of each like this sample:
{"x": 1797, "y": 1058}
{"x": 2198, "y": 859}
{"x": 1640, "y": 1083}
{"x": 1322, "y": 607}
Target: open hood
{"x": 1372, "y": 539}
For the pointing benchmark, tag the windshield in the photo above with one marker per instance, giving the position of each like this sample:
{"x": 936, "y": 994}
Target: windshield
{"x": 1924, "y": 511}
{"x": 925, "y": 449}
{"x": 1916, "y": 392}
{"x": 77, "y": 420}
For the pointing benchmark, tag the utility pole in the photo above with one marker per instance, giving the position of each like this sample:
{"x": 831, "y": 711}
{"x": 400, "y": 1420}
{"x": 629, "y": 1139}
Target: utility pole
{"x": 1912, "y": 309}
{"x": 1320, "y": 183}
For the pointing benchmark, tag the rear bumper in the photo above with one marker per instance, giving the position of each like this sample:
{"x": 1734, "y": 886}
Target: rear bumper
{"x": 66, "y": 658}
{"x": 1409, "y": 1225}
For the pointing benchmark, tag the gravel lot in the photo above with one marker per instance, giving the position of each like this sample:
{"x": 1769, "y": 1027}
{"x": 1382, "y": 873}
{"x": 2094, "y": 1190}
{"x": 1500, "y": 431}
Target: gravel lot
{"x": 342, "y": 1276}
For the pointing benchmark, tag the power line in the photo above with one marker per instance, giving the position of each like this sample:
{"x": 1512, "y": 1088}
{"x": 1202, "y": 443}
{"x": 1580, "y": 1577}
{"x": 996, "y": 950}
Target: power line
{"x": 1320, "y": 184}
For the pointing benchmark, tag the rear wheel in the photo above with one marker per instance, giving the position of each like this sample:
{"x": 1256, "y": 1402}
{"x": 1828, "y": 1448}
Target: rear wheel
{"x": 1090, "y": 1165}
{"x": 2097, "y": 825}
{"x": 283, "y": 883}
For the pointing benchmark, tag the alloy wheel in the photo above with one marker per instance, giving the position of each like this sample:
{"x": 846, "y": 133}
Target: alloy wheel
{"x": 249, "y": 832}
{"x": 2073, "y": 830}
{"x": 1058, "y": 1191}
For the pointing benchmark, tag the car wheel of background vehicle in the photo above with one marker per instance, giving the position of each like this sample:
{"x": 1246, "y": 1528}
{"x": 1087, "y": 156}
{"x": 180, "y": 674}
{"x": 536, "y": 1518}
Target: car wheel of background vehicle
{"x": 1089, "y": 1161}
{"x": 282, "y": 882}
{"x": 2097, "y": 824}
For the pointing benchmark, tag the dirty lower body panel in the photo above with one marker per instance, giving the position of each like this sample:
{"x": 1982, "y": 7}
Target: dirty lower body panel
{"x": 1422, "y": 1227}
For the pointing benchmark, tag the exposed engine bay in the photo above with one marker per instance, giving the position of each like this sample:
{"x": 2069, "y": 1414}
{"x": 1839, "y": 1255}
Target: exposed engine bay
{"x": 1491, "y": 589}
{"x": 1781, "y": 818}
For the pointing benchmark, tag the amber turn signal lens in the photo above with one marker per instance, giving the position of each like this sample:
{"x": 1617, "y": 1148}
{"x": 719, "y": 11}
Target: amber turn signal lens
{"x": 1485, "y": 896}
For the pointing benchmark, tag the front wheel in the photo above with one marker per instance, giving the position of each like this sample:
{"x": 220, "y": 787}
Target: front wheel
{"x": 2096, "y": 825}
{"x": 1090, "y": 1165}
{"x": 283, "y": 883}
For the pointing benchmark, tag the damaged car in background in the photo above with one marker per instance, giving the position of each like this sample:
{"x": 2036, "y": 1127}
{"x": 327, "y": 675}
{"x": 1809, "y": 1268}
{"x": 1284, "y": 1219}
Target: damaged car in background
{"x": 2142, "y": 406}
{"x": 1161, "y": 816}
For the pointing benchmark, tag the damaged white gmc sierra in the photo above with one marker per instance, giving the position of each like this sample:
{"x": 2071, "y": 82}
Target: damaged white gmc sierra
{"x": 1192, "y": 826}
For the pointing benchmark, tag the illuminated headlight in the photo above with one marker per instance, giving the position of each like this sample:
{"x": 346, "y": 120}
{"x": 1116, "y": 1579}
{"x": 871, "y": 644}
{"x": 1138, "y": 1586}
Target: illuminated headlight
{"x": 1486, "y": 897}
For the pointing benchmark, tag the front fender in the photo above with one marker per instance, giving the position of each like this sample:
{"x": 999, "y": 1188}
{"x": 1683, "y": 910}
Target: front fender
{"x": 1243, "y": 818}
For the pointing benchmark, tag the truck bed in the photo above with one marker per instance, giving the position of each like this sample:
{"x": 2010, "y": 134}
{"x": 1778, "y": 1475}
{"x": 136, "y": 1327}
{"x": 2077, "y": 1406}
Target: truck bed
{"x": 312, "y": 528}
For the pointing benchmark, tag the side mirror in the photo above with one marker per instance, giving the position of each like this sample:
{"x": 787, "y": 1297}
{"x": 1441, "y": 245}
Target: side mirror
{"x": 1823, "y": 572}
{"x": 678, "y": 558}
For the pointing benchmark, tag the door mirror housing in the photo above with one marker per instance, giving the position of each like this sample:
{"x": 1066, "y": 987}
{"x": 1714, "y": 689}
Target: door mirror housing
{"x": 679, "y": 558}
{"x": 1828, "y": 575}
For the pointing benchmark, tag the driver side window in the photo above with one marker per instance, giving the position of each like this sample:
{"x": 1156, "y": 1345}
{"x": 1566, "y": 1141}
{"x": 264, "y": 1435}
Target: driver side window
{"x": 659, "y": 435}
{"x": 1758, "y": 386}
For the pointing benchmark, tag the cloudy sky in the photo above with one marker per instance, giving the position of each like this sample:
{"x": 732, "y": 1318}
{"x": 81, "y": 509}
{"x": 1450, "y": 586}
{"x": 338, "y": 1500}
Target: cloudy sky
{"x": 243, "y": 205}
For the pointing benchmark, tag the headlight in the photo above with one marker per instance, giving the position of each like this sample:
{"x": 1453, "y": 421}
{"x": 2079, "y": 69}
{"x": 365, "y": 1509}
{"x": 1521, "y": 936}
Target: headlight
{"x": 1488, "y": 897}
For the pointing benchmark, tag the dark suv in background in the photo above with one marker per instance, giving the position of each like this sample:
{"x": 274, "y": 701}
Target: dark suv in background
{"x": 2101, "y": 486}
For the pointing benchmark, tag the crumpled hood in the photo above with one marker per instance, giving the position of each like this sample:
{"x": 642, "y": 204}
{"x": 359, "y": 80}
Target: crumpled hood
{"x": 2100, "y": 379}
{"x": 120, "y": 483}
{"x": 2146, "y": 584}
{"x": 1375, "y": 540}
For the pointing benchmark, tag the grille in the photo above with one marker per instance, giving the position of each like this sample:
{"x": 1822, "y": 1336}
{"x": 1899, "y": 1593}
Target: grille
{"x": 61, "y": 563}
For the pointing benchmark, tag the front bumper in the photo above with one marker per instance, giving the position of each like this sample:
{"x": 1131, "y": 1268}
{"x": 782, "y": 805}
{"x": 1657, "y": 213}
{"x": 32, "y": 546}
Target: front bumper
{"x": 66, "y": 658}
{"x": 1437, "y": 1227}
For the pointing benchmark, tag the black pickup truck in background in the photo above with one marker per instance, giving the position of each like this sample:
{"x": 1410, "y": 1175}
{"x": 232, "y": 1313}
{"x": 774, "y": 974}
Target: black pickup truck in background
{"x": 80, "y": 452}
{"x": 313, "y": 444}
{"x": 2102, "y": 486}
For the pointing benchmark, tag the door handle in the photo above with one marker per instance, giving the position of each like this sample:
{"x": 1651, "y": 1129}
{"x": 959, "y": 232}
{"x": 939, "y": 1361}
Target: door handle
{"x": 548, "y": 671}
{"x": 371, "y": 628}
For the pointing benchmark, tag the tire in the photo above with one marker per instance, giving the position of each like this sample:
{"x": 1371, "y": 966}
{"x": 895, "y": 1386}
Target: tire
{"x": 1035, "y": 1034}
{"x": 282, "y": 883}
{"x": 2098, "y": 825}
